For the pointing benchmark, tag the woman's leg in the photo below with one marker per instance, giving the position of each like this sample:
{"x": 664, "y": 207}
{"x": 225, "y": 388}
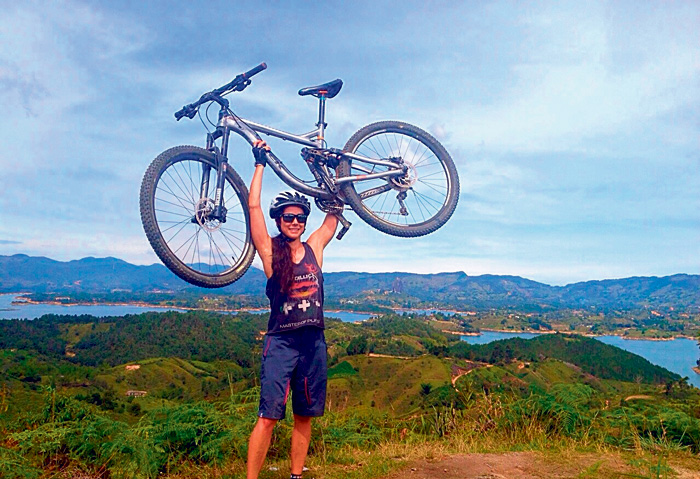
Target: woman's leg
{"x": 301, "y": 436}
{"x": 259, "y": 444}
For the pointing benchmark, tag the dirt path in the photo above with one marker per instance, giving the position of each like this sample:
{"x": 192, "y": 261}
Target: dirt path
{"x": 376, "y": 355}
{"x": 531, "y": 465}
{"x": 459, "y": 371}
{"x": 638, "y": 396}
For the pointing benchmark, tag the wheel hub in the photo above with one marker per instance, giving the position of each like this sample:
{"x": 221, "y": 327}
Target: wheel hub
{"x": 408, "y": 179}
{"x": 203, "y": 215}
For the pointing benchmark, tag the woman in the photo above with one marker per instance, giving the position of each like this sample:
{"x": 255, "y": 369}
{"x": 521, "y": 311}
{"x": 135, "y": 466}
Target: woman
{"x": 294, "y": 348}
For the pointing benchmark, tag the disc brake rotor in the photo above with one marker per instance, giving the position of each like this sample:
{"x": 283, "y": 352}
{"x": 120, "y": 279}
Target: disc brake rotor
{"x": 203, "y": 210}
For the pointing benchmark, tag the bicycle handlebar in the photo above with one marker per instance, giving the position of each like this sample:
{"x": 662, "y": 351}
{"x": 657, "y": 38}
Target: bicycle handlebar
{"x": 237, "y": 84}
{"x": 255, "y": 71}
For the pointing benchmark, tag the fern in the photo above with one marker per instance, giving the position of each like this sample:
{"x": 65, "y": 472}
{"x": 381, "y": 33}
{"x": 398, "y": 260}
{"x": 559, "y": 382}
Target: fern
{"x": 14, "y": 466}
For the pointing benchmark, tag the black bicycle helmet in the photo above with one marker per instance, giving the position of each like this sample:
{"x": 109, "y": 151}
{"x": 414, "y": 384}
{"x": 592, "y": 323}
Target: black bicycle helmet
{"x": 288, "y": 198}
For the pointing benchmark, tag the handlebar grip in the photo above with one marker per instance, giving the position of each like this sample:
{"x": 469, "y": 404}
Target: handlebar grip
{"x": 186, "y": 111}
{"x": 255, "y": 71}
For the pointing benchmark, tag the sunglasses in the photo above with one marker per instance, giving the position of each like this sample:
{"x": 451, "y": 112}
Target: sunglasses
{"x": 289, "y": 217}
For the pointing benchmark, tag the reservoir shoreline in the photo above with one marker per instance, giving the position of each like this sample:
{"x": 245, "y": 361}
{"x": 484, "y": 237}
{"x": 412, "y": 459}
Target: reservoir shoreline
{"x": 141, "y": 304}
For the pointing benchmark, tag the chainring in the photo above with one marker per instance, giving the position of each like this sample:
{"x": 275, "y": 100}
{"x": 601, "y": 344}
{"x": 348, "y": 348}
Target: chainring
{"x": 330, "y": 206}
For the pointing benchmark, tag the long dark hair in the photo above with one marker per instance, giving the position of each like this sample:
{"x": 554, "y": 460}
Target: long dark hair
{"x": 282, "y": 267}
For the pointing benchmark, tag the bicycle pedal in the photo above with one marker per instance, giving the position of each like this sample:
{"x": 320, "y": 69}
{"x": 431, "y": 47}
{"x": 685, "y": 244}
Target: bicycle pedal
{"x": 346, "y": 226}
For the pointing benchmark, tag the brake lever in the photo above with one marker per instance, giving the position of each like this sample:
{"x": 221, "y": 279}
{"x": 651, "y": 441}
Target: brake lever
{"x": 186, "y": 111}
{"x": 241, "y": 86}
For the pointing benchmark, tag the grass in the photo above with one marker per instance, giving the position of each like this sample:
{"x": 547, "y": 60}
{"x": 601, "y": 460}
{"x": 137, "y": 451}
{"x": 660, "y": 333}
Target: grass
{"x": 395, "y": 413}
{"x": 391, "y": 385}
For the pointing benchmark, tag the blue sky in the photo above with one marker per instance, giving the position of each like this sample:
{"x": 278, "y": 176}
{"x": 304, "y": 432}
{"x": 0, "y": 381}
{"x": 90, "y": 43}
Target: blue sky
{"x": 574, "y": 125}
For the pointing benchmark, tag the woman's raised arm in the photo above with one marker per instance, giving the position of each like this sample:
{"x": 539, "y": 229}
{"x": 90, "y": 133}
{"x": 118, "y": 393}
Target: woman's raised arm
{"x": 320, "y": 238}
{"x": 258, "y": 228}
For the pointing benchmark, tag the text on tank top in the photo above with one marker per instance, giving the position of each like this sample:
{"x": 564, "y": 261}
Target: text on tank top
{"x": 302, "y": 305}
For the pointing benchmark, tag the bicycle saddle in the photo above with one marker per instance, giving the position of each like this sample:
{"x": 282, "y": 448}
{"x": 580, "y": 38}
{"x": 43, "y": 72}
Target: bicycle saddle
{"x": 329, "y": 90}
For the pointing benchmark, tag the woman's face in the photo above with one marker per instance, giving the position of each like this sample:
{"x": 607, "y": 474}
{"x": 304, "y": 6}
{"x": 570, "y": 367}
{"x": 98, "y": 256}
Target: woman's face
{"x": 294, "y": 229}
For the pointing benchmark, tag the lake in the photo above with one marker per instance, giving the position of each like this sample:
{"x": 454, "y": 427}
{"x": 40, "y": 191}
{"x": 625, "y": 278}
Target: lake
{"x": 33, "y": 311}
{"x": 678, "y": 355}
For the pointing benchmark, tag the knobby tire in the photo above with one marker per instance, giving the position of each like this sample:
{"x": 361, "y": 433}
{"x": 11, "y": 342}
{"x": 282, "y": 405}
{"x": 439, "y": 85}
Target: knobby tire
{"x": 202, "y": 255}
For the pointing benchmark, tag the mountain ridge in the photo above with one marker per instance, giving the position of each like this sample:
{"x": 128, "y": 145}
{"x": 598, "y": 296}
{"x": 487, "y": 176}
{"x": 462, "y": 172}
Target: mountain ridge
{"x": 23, "y": 273}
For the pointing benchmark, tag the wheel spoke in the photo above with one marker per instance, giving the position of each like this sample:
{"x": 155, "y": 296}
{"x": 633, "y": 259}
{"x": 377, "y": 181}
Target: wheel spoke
{"x": 428, "y": 200}
{"x": 420, "y": 160}
{"x": 432, "y": 187}
{"x": 418, "y": 202}
{"x": 191, "y": 238}
{"x": 194, "y": 245}
{"x": 178, "y": 185}
{"x": 174, "y": 225}
{"x": 182, "y": 202}
{"x": 173, "y": 214}
{"x": 231, "y": 244}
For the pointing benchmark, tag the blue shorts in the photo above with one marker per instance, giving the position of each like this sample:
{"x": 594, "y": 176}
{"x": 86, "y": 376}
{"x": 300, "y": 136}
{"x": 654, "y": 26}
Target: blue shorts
{"x": 296, "y": 361}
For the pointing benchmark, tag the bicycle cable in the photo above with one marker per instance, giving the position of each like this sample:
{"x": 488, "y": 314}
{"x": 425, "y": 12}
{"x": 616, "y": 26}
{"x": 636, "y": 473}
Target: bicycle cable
{"x": 206, "y": 114}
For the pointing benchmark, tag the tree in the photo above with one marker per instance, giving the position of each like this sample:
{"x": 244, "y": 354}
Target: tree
{"x": 358, "y": 345}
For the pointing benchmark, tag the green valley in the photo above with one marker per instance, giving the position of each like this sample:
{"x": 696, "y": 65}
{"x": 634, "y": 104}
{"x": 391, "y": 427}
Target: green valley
{"x": 176, "y": 394}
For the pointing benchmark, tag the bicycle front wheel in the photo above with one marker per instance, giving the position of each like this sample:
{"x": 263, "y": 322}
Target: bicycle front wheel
{"x": 177, "y": 212}
{"x": 414, "y": 204}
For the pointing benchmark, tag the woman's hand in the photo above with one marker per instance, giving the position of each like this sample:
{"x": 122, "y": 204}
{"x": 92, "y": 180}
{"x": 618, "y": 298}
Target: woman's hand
{"x": 260, "y": 149}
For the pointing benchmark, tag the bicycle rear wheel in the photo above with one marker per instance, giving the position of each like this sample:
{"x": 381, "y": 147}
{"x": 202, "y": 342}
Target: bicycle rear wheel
{"x": 412, "y": 205}
{"x": 177, "y": 199}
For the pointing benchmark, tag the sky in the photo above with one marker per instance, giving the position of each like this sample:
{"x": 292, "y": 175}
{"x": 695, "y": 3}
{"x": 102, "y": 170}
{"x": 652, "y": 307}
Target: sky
{"x": 574, "y": 125}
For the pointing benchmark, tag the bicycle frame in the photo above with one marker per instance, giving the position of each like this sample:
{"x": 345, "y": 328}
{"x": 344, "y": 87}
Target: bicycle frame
{"x": 249, "y": 131}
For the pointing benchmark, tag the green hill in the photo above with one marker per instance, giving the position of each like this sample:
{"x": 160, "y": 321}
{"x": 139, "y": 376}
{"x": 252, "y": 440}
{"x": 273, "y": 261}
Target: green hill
{"x": 386, "y": 384}
{"x": 65, "y": 408}
{"x": 592, "y": 356}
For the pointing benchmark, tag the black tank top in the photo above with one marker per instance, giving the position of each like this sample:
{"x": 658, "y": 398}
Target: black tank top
{"x": 302, "y": 305}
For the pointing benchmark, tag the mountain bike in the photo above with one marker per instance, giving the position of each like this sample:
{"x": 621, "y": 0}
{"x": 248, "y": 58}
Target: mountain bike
{"x": 194, "y": 206}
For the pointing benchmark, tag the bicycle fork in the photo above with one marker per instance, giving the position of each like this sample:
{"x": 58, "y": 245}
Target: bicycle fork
{"x": 208, "y": 210}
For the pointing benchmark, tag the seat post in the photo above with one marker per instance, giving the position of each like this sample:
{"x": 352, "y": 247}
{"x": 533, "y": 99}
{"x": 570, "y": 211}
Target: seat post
{"x": 321, "y": 118}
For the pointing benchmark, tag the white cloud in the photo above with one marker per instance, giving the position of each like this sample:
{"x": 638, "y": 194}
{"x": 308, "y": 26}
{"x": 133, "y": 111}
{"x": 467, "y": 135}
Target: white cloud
{"x": 569, "y": 123}
{"x": 567, "y": 86}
